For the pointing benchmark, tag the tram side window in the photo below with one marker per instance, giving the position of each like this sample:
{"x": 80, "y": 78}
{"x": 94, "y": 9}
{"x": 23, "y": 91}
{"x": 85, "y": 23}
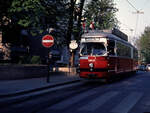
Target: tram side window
{"x": 111, "y": 46}
{"x": 119, "y": 49}
{"x": 123, "y": 50}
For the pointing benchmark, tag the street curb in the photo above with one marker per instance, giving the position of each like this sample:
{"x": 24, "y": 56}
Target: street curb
{"x": 37, "y": 89}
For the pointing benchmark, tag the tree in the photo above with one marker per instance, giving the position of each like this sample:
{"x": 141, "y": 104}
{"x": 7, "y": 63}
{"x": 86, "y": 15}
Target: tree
{"x": 80, "y": 12}
{"x": 144, "y": 44}
{"x": 37, "y": 16}
{"x": 74, "y": 22}
{"x": 102, "y": 13}
{"x": 70, "y": 21}
{"x": 33, "y": 14}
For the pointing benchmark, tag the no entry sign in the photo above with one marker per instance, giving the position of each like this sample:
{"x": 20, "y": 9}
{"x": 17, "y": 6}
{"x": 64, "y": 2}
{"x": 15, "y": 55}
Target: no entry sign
{"x": 47, "y": 41}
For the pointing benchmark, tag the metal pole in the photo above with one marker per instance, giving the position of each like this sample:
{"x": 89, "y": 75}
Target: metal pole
{"x": 48, "y": 74}
{"x": 136, "y": 26}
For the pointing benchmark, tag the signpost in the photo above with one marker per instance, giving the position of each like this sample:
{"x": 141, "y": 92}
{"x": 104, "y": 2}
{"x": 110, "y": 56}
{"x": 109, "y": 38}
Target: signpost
{"x": 73, "y": 45}
{"x": 47, "y": 42}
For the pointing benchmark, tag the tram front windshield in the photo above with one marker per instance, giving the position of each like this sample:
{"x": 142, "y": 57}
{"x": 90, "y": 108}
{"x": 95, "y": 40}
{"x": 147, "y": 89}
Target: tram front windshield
{"x": 92, "y": 49}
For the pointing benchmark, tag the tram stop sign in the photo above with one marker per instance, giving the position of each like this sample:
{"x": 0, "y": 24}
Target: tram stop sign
{"x": 47, "y": 41}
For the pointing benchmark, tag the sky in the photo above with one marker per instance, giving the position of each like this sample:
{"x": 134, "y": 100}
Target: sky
{"x": 131, "y": 23}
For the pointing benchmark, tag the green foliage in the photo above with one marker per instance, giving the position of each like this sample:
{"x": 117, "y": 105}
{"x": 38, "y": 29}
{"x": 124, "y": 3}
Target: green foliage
{"x": 36, "y": 16}
{"x": 102, "y": 12}
{"x": 35, "y": 60}
{"x": 144, "y": 44}
{"x": 27, "y": 13}
{"x": 27, "y": 59}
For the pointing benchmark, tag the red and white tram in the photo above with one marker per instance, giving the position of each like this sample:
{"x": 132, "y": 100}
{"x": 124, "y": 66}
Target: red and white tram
{"x": 106, "y": 53}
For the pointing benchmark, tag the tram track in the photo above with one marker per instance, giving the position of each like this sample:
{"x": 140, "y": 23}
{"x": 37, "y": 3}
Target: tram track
{"x": 36, "y": 89}
{"x": 51, "y": 97}
{"x": 75, "y": 95}
{"x": 74, "y": 87}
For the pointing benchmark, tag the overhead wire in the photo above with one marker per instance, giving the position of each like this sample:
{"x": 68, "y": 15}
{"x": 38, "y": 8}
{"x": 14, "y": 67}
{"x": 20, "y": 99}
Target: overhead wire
{"x": 132, "y": 5}
{"x": 137, "y": 18}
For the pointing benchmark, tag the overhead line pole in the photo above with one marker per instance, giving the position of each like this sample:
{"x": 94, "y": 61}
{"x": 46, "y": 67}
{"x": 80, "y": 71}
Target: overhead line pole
{"x": 137, "y": 18}
{"x": 137, "y": 12}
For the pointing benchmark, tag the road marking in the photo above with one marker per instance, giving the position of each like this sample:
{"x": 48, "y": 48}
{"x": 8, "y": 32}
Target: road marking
{"x": 66, "y": 103}
{"x": 127, "y": 103}
{"x": 96, "y": 103}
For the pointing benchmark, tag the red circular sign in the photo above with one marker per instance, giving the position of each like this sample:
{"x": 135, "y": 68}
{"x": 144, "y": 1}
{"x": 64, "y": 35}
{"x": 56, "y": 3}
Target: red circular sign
{"x": 47, "y": 41}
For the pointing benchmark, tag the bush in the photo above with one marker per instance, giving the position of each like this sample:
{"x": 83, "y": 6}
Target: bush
{"x": 35, "y": 60}
{"x": 27, "y": 59}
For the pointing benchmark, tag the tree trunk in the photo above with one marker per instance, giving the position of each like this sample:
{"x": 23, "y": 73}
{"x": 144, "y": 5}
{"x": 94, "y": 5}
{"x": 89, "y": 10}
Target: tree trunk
{"x": 80, "y": 17}
{"x": 70, "y": 23}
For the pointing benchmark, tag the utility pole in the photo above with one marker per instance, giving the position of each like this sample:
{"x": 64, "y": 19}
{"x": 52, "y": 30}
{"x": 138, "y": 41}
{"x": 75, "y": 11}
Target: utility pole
{"x": 136, "y": 26}
{"x": 131, "y": 32}
{"x": 137, "y": 18}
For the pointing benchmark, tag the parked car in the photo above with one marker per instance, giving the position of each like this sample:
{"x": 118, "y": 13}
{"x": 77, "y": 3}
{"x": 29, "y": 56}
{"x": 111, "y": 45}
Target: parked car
{"x": 142, "y": 68}
{"x": 148, "y": 67}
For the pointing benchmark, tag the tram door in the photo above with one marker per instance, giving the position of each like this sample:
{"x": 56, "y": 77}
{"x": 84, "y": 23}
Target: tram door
{"x": 111, "y": 48}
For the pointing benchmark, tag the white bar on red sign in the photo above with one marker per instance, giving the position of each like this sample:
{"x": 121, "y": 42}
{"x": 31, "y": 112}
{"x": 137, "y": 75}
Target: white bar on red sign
{"x": 47, "y": 41}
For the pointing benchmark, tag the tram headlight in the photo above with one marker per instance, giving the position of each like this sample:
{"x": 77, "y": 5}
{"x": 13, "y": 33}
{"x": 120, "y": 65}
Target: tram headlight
{"x": 91, "y": 65}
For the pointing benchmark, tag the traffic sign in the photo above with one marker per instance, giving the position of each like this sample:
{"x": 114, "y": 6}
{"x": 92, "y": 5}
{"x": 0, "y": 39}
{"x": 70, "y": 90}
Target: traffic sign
{"x": 73, "y": 44}
{"x": 47, "y": 41}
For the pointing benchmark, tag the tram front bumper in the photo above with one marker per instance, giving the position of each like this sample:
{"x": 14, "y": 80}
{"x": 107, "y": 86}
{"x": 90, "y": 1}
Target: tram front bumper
{"x": 93, "y": 74}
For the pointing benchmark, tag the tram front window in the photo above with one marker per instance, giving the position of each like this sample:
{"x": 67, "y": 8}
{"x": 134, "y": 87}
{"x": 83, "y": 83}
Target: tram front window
{"x": 93, "y": 49}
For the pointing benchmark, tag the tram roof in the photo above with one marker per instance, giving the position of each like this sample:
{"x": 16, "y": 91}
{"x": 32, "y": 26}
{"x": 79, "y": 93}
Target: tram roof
{"x": 105, "y": 33}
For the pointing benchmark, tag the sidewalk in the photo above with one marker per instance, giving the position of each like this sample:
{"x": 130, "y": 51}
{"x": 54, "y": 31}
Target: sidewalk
{"x": 15, "y": 87}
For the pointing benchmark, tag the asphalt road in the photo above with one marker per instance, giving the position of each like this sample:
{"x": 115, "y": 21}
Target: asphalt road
{"x": 126, "y": 95}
